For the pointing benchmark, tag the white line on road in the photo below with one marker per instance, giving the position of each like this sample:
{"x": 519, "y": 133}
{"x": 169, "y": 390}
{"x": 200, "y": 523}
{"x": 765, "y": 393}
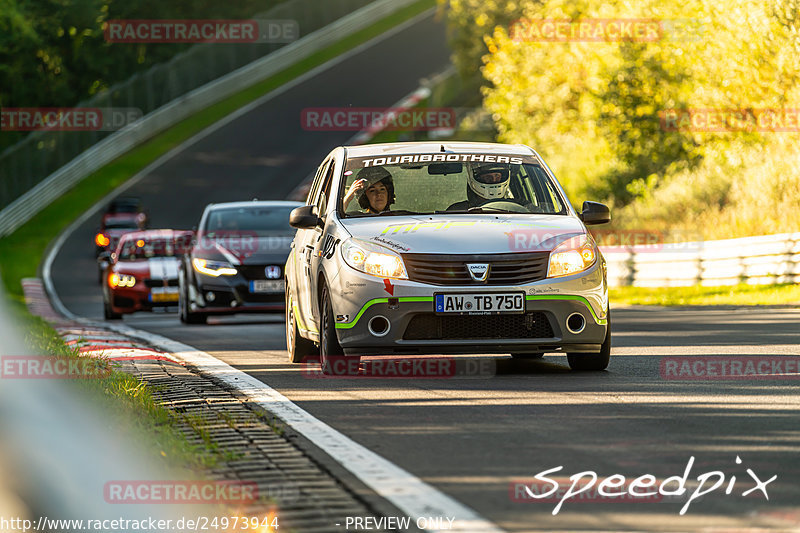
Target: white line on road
{"x": 401, "y": 488}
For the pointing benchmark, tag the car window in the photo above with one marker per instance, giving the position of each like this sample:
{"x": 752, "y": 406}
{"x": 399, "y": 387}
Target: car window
{"x": 252, "y": 220}
{"x": 141, "y": 248}
{"x": 515, "y": 184}
{"x": 322, "y": 201}
{"x": 315, "y": 186}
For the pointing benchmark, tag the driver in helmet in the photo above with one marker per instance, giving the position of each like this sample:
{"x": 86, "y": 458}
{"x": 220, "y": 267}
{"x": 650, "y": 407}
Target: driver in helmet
{"x": 374, "y": 189}
{"x": 487, "y": 183}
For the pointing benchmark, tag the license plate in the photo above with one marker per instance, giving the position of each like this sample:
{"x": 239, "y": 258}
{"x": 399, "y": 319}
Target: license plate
{"x": 485, "y": 303}
{"x": 267, "y": 285}
{"x": 164, "y": 294}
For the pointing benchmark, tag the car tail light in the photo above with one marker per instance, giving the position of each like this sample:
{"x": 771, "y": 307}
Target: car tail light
{"x": 101, "y": 240}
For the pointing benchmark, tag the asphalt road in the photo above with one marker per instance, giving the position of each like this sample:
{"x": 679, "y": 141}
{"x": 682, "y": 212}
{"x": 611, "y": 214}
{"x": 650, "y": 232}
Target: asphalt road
{"x": 471, "y": 438}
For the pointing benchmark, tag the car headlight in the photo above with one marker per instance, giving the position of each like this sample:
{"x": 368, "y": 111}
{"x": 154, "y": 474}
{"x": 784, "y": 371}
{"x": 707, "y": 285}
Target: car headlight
{"x": 121, "y": 280}
{"x": 373, "y": 259}
{"x": 213, "y": 268}
{"x": 572, "y": 256}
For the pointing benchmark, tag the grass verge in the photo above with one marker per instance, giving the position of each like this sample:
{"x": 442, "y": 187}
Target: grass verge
{"x": 782, "y": 294}
{"x": 21, "y": 252}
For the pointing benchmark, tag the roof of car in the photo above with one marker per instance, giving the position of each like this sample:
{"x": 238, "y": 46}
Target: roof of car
{"x": 367, "y": 150}
{"x": 257, "y": 203}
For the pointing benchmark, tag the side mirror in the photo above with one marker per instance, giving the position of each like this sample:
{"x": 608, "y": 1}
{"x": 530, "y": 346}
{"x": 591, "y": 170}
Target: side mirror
{"x": 595, "y": 213}
{"x": 304, "y": 217}
{"x": 104, "y": 256}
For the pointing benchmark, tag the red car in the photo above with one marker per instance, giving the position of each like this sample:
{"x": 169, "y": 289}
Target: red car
{"x": 121, "y": 216}
{"x": 142, "y": 273}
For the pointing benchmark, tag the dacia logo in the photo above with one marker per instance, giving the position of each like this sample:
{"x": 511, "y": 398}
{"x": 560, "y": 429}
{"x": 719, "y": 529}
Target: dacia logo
{"x": 478, "y": 271}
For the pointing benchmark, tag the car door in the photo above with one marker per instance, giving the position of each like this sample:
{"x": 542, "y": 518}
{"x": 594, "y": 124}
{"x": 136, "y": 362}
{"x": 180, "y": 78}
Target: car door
{"x": 321, "y": 245}
{"x": 305, "y": 243}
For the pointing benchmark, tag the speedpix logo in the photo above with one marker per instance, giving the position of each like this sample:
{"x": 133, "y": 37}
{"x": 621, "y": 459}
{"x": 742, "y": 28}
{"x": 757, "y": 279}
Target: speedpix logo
{"x": 544, "y": 487}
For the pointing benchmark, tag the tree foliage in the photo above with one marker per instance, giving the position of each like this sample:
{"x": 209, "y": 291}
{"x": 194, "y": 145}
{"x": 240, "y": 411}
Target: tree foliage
{"x": 53, "y": 53}
{"x": 593, "y": 109}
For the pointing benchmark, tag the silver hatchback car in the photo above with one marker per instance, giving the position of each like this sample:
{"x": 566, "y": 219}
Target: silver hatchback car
{"x": 441, "y": 248}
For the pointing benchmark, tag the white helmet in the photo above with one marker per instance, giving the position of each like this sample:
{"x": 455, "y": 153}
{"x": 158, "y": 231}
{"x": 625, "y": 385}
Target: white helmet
{"x": 490, "y": 181}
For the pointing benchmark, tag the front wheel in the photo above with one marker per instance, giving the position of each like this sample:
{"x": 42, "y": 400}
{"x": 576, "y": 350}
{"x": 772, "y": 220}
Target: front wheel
{"x": 186, "y": 316}
{"x": 109, "y": 313}
{"x": 331, "y": 355}
{"x": 298, "y": 347}
{"x": 592, "y": 362}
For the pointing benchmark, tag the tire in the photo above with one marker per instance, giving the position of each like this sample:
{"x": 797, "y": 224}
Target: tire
{"x": 331, "y": 356}
{"x": 528, "y": 355}
{"x": 186, "y": 316}
{"x": 593, "y": 362}
{"x": 298, "y": 347}
{"x": 108, "y": 313}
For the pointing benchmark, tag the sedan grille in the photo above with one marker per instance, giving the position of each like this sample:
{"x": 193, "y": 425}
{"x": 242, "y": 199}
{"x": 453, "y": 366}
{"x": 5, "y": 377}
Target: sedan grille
{"x": 504, "y": 269}
{"x": 429, "y": 326}
{"x": 254, "y": 272}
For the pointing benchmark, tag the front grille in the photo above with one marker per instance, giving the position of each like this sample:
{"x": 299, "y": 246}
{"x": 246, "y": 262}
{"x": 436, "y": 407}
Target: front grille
{"x": 504, "y": 269}
{"x": 428, "y": 326}
{"x": 254, "y": 272}
{"x": 160, "y": 283}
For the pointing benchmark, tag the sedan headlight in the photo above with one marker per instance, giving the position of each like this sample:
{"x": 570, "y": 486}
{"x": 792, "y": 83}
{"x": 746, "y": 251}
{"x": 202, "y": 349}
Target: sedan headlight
{"x": 572, "y": 256}
{"x": 121, "y": 280}
{"x": 373, "y": 259}
{"x": 213, "y": 268}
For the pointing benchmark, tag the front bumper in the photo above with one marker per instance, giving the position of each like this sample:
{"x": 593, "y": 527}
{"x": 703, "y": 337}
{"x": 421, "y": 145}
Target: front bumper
{"x": 126, "y": 300}
{"x": 232, "y": 295}
{"x": 414, "y": 328}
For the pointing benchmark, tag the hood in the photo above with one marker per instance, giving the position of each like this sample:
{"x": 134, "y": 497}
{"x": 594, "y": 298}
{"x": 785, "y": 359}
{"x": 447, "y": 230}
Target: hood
{"x": 466, "y": 234}
{"x": 245, "y": 250}
{"x": 153, "y": 268}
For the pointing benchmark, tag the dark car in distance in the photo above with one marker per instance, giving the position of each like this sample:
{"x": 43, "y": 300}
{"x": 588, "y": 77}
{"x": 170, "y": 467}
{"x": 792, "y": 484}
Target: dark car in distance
{"x": 237, "y": 260}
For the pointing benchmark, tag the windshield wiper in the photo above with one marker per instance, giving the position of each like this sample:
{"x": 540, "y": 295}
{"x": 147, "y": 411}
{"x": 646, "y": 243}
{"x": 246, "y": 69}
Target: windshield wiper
{"x": 476, "y": 209}
{"x": 398, "y": 212}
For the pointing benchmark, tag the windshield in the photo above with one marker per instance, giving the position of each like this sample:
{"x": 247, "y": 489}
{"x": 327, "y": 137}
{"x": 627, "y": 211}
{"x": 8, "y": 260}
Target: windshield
{"x": 121, "y": 224}
{"x": 123, "y": 207}
{"x": 252, "y": 220}
{"x": 447, "y": 183}
{"x": 138, "y": 249}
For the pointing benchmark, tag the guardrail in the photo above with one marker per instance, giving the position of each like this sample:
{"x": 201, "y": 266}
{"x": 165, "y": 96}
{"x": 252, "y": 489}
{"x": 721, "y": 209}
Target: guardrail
{"x": 40, "y": 191}
{"x": 753, "y": 260}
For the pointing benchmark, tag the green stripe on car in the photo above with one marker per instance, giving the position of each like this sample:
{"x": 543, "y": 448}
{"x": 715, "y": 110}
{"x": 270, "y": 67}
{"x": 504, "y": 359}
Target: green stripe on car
{"x": 352, "y": 323}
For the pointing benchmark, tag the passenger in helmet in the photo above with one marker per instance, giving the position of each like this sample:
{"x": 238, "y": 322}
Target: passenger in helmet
{"x": 486, "y": 183}
{"x": 374, "y": 189}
